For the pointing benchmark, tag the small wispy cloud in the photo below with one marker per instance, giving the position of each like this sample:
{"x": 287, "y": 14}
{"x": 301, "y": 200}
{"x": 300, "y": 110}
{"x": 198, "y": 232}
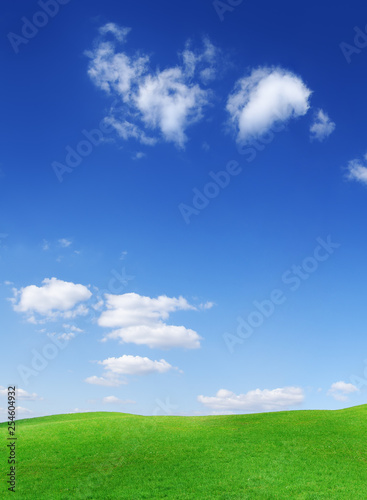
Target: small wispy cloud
{"x": 357, "y": 170}
{"x": 138, "y": 156}
{"x": 322, "y": 126}
{"x": 116, "y": 400}
{"x": 64, "y": 242}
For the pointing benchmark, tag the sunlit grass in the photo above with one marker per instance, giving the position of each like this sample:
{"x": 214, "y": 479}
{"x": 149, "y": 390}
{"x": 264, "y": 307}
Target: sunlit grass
{"x": 299, "y": 454}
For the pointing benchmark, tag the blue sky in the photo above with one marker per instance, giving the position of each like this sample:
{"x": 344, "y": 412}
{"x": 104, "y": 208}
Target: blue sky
{"x": 183, "y": 195}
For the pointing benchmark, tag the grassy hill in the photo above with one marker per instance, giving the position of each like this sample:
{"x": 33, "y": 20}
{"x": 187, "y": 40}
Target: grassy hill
{"x": 298, "y": 454}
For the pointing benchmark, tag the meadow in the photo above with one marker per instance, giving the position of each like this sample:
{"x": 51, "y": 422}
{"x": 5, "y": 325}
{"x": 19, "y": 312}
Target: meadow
{"x": 295, "y": 454}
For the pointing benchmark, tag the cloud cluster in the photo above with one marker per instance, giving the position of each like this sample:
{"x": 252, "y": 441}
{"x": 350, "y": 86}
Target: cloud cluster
{"x": 341, "y": 390}
{"x": 140, "y": 320}
{"x": 322, "y": 126}
{"x": 254, "y": 401}
{"x": 54, "y": 299}
{"x": 266, "y": 96}
{"x": 168, "y": 100}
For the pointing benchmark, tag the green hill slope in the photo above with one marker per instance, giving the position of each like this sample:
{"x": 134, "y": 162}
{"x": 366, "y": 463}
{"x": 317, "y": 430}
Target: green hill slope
{"x": 298, "y": 454}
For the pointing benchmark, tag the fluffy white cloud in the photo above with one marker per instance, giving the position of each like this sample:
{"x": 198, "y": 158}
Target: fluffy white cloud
{"x": 168, "y": 103}
{"x": 21, "y": 394}
{"x": 134, "y": 365}
{"x": 322, "y": 126}
{"x": 166, "y": 100}
{"x": 115, "y": 400}
{"x": 254, "y": 401}
{"x": 340, "y": 390}
{"x": 127, "y": 365}
{"x": 357, "y": 170}
{"x": 267, "y": 96}
{"x": 139, "y": 320}
{"x": 55, "y": 298}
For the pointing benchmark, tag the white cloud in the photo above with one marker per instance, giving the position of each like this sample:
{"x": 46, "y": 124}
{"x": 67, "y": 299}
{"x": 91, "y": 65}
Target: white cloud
{"x": 139, "y": 320}
{"x": 127, "y": 365}
{"x": 203, "y": 62}
{"x": 206, "y": 305}
{"x": 45, "y": 245}
{"x": 340, "y": 390}
{"x": 108, "y": 381}
{"x": 115, "y": 400}
{"x": 322, "y": 126}
{"x": 20, "y": 411}
{"x": 72, "y": 328}
{"x": 63, "y": 242}
{"x": 80, "y": 410}
{"x": 167, "y": 100}
{"x": 357, "y": 170}
{"x": 119, "y": 32}
{"x": 138, "y": 156}
{"x": 66, "y": 336}
{"x": 267, "y": 96}
{"x": 55, "y": 298}
{"x": 254, "y": 401}
{"x": 20, "y": 394}
{"x": 168, "y": 103}
{"x": 134, "y": 365}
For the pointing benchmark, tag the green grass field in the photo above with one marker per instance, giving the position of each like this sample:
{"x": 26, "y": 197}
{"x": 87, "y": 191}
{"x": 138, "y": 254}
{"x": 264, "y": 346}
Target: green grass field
{"x": 297, "y": 454}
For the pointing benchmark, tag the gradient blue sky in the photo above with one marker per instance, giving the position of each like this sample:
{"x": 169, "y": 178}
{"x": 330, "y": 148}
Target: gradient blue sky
{"x": 115, "y": 226}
